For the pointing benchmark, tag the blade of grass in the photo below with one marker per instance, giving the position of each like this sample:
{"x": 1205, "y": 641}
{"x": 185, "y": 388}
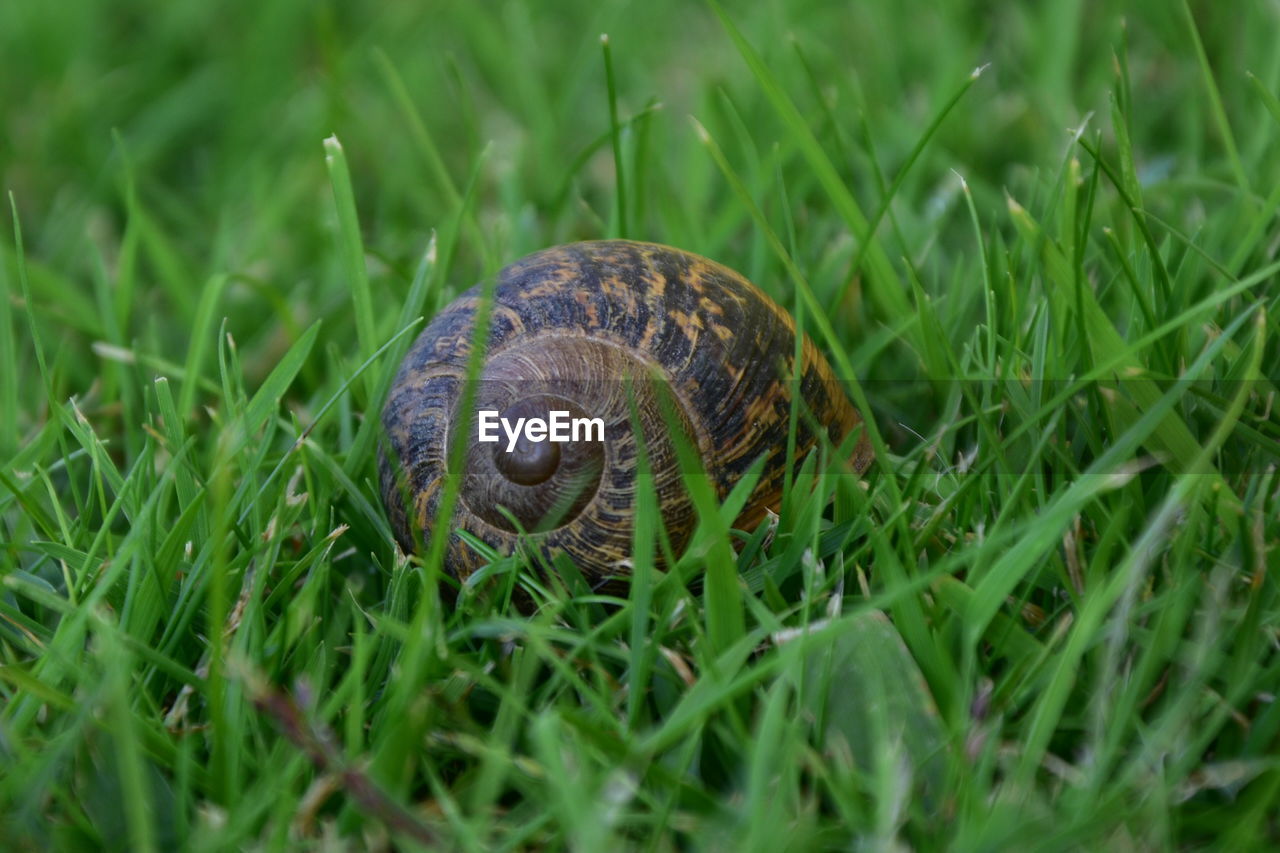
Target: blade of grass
{"x": 918, "y": 149}
{"x": 352, "y": 250}
{"x": 421, "y": 300}
{"x": 644, "y": 535}
{"x": 1215, "y": 100}
{"x": 8, "y": 368}
{"x": 429, "y": 151}
{"x": 136, "y": 801}
{"x": 24, "y": 286}
{"x": 615, "y": 127}
{"x": 1269, "y": 100}
{"x": 202, "y": 331}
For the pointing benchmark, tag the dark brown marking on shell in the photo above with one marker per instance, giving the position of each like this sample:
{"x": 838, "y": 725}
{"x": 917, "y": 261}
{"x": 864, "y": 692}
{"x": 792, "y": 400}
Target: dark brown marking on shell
{"x": 588, "y": 316}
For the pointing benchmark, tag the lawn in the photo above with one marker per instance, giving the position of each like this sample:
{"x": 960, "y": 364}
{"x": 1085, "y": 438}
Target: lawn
{"x": 1040, "y": 240}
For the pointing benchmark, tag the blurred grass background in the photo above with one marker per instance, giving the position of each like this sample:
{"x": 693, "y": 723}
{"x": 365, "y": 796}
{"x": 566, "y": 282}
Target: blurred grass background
{"x": 207, "y": 121}
{"x": 194, "y": 595}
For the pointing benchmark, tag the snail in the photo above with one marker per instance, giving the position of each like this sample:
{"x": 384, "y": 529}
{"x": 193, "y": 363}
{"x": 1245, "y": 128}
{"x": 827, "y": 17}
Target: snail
{"x": 631, "y": 339}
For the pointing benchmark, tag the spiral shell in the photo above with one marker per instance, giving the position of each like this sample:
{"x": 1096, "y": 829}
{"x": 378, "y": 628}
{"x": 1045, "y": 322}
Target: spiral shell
{"x": 602, "y": 330}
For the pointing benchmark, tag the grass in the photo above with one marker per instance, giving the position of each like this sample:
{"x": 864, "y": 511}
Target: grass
{"x": 1047, "y": 618}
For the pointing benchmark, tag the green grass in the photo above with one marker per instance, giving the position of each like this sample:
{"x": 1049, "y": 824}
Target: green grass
{"x": 1047, "y": 618}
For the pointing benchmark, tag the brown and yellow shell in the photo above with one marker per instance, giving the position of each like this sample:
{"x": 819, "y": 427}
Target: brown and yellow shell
{"x": 640, "y": 335}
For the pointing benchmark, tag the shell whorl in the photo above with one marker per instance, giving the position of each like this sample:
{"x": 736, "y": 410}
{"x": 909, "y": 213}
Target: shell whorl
{"x": 606, "y": 328}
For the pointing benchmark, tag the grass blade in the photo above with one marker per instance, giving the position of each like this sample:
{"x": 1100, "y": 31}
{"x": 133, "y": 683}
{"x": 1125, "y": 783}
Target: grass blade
{"x": 616, "y": 133}
{"x": 352, "y": 249}
{"x": 1215, "y": 100}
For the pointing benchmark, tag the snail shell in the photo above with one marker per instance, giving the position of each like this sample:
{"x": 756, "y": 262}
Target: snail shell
{"x": 602, "y": 330}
